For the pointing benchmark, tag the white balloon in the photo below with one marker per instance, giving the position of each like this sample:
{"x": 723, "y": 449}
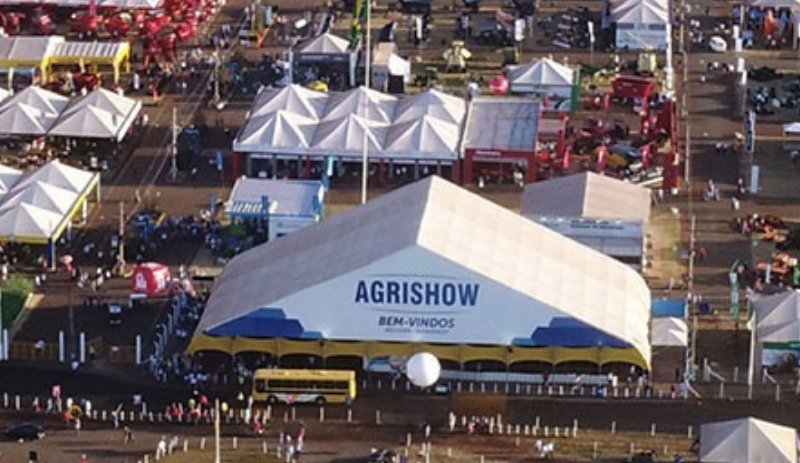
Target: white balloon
{"x": 423, "y": 369}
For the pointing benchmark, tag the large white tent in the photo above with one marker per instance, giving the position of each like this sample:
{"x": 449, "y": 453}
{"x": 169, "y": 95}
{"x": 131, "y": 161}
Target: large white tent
{"x": 398, "y": 260}
{"x": 604, "y": 213}
{"x": 747, "y": 440}
{"x": 549, "y": 78}
{"x": 295, "y": 120}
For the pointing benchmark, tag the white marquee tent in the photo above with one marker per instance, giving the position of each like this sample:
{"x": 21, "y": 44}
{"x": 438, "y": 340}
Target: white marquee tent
{"x": 747, "y": 440}
{"x": 427, "y": 232}
{"x": 548, "y": 77}
{"x": 323, "y": 44}
{"x": 298, "y": 121}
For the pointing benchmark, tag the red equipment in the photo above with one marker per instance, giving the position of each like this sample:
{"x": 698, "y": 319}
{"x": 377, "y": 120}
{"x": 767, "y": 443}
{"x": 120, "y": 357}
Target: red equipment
{"x": 151, "y": 278}
{"x": 630, "y": 86}
{"x": 119, "y": 25}
{"x": 11, "y": 22}
{"x": 43, "y": 23}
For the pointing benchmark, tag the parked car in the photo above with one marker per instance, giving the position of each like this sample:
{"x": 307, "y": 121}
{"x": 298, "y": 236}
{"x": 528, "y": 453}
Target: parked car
{"x": 25, "y": 431}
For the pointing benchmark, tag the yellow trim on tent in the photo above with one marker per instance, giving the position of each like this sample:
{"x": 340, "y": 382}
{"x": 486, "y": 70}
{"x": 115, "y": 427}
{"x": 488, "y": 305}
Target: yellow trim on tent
{"x": 531, "y": 354}
{"x": 615, "y": 354}
{"x": 454, "y": 353}
{"x": 122, "y": 56}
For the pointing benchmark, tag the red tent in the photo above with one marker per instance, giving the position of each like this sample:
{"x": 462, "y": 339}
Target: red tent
{"x": 151, "y": 278}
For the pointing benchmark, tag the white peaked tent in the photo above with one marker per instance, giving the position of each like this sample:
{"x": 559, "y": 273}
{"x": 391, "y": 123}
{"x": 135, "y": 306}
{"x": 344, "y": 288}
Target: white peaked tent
{"x": 8, "y": 177}
{"x": 99, "y": 114}
{"x": 43, "y": 195}
{"x": 747, "y": 440}
{"x": 293, "y": 99}
{"x": 25, "y": 120}
{"x": 432, "y": 103}
{"x": 642, "y": 24}
{"x": 669, "y": 332}
{"x": 29, "y": 221}
{"x": 346, "y": 135}
{"x": 280, "y": 129}
{"x": 324, "y": 44}
{"x": 325, "y": 49}
{"x": 547, "y": 77}
{"x": 426, "y": 134}
{"x": 106, "y": 100}
{"x": 778, "y": 317}
{"x": 366, "y": 103}
{"x": 60, "y": 175}
{"x": 45, "y": 101}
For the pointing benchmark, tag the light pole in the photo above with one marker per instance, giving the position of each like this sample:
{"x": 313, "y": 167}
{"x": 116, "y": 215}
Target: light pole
{"x": 365, "y": 141}
{"x": 173, "y": 170}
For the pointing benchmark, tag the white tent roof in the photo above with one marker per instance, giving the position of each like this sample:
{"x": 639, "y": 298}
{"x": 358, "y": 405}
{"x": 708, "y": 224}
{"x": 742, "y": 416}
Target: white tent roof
{"x": 286, "y": 197}
{"x": 60, "y": 175}
{"x": 284, "y": 121}
{"x": 427, "y": 134}
{"x": 280, "y": 129}
{"x": 99, "y": 114}
{"x": 8, "y": 177}
{"x": 43, "y": 100}
{"x": 42, "y": 195}
{"x": 431, "y": 103}
{"x": 27, "y": 48}
{"x": 502, "y": 123}
{"x": 24, "y": 119}
{"x": 29, "y": 221}
{"x": 4, "y": 94}
{"x": 747, "y": 440}
{"x": 449, "y": 223}
{"x": 292, "y": 98}
{"x": 641, "y": 12}
{"x": 347, "y": 134}
{"x": 323, "y": 44}
{"x": 778, "y": 317}
{"x": 113, "y": 103}
{"x": 366, "y": 103}
{"x": 587, "y": 195}
{"x": 669, "y": 331}
{"x": 544, "y": 71}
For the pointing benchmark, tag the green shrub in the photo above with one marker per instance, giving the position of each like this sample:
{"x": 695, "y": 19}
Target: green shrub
{"x": 15, "y": 292}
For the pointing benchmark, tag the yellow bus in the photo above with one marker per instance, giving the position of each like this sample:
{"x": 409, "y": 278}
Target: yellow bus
{"x": 273, "y": 385}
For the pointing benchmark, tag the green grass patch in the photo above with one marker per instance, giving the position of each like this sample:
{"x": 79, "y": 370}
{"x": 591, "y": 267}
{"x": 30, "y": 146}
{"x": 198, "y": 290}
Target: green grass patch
{"x": 14, "y": 294}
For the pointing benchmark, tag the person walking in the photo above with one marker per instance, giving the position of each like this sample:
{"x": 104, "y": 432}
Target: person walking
{"x": 128, "y": 435}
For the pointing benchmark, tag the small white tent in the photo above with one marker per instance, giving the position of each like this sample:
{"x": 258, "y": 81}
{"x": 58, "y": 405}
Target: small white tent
{"x": 642, "y": 25}
{"x": 669, "y": 332}
{"x": 546, "y": 77}
{"x": 326, "y": 50}
{"x": 747, "y": 440}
